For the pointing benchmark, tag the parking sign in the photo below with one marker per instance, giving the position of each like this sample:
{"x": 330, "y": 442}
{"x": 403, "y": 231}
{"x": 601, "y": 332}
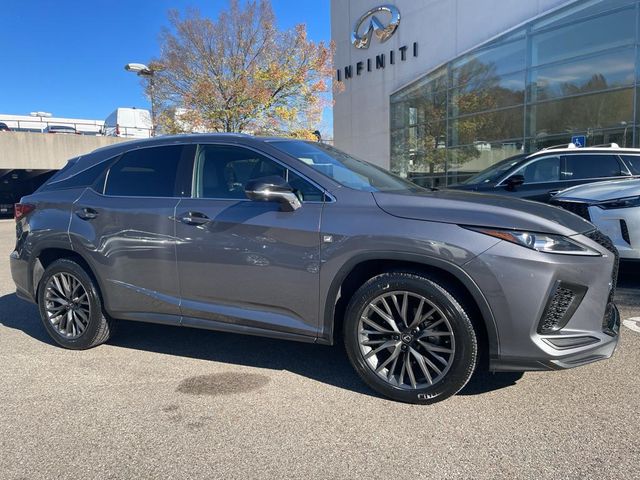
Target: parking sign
{"x": 579, "y": 141}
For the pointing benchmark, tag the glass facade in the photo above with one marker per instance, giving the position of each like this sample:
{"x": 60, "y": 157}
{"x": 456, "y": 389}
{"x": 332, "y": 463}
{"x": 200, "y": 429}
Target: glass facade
{"x": 573, "y": 72}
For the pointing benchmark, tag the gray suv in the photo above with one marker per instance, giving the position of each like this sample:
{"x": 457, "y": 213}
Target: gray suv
{"x": 299, "y": 241}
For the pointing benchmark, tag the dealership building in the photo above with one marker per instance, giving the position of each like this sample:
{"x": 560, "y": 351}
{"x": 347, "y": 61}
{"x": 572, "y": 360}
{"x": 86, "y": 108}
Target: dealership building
{"x": 437, "y": 90}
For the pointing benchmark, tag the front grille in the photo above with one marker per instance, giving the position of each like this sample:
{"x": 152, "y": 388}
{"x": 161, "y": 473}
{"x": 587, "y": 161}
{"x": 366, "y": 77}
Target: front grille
{"x": 580, "y": 209}
{"x": 625, "y": 231}
{"x": 604, "y": 241}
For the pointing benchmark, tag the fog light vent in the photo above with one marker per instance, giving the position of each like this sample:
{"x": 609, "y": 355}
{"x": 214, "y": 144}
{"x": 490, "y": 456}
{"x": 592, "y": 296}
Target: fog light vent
{"x": 625, "y": 231}
{"x": 562, "y": 303}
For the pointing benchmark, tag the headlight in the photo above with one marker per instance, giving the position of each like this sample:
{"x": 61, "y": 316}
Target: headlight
{"x": 542, "y": 242}
{"x": 620, "y": 203}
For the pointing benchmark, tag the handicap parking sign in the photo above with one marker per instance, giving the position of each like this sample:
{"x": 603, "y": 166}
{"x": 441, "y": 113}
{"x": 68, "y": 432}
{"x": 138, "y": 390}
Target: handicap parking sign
{"x": 579, "y": 141}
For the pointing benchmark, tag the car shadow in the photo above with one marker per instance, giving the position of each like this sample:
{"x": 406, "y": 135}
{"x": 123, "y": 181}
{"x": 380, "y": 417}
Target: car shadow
{"x": 328, "y": 365}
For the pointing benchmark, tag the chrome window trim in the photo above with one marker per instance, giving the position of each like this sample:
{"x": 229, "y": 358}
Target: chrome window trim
{"x": 329, "y": 197}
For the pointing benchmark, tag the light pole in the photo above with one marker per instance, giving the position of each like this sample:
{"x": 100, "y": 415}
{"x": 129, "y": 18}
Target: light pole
{"x": 144, "y": 71}
{"x": 624, "y": 135}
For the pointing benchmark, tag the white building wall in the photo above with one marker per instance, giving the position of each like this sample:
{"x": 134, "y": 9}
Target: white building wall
{"x": 443, "y": 29}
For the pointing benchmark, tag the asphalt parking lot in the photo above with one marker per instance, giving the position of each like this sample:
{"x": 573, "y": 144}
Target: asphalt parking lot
{"x": 161, "y": 402}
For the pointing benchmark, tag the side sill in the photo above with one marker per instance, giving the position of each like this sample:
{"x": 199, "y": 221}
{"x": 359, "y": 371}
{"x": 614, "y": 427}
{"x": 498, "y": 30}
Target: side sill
{"x": 244, "y": 330}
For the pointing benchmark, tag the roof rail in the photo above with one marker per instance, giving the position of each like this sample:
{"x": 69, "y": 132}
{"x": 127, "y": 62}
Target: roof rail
{"x": 556, "y": 147}
{"x": 606, "y": 145}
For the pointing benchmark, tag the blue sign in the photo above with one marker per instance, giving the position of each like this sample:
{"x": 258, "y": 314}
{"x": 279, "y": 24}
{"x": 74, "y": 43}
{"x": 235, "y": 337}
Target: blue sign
{"x": 579, "y": 141}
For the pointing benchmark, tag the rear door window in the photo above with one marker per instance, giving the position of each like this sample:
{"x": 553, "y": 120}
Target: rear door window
{"x": 152, "y": 172}
{"x": 582, "y": 167}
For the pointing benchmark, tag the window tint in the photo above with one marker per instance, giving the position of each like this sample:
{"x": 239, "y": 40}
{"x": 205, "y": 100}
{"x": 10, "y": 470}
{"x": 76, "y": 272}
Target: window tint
{"x": 546, "y": 169}
{"x": 633, "y": 161}
{"x": 149, "y": 172}
{"x": 579, "y": 167}
{"x": 224, "y": 171}
{"x": 50, "y": 184}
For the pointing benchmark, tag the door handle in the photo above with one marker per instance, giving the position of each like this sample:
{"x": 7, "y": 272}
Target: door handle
{"x": 194, "y": 218}
{"x": 554, "y": 192}
{"x": 86, "y": 213}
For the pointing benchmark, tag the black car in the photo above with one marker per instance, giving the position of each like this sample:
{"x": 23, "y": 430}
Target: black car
{"x": 539, "y": 176}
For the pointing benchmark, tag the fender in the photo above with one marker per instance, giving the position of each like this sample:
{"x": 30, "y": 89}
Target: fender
{"x": 327, "y": 333}
{"x": 36, "y": 270}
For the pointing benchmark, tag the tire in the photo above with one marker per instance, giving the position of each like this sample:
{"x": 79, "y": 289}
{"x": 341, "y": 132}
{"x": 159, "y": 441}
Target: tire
{"x": 444, "y": 330}
{"x": 81, "y": 324}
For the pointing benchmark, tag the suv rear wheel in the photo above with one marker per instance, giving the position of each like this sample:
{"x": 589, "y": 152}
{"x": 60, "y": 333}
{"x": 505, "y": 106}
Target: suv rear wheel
{"x": 409, "y": 338}
{"x": 71, "y": 308}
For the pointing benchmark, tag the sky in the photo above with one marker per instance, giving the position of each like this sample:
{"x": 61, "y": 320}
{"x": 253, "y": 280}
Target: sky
{"x": 67, "y": 57}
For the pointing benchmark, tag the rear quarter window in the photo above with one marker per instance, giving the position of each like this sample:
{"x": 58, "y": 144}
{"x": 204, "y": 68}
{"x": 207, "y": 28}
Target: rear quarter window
{"x": 633, "y": 162}
{"x": 84, "y": 178}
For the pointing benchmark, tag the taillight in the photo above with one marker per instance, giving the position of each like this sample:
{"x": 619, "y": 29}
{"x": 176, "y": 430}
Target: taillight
{"x": 117, "y": 129}
{"x": 22, "y": 210}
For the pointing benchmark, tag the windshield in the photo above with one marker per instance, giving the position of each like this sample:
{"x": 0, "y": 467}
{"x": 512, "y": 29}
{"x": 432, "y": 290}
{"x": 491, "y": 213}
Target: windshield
{"x": 494, "y": 172}
{"x": 344, "y": 168}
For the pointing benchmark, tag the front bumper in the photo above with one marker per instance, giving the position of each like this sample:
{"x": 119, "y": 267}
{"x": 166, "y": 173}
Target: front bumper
{"x": 518, "y": 284}
{"x": 601, "y": 348}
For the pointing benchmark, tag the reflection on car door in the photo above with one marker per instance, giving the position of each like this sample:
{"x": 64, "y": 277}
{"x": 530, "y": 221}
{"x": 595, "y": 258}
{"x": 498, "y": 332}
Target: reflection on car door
{"x": 127, "y": 227}
{"x": 242, "y": 262}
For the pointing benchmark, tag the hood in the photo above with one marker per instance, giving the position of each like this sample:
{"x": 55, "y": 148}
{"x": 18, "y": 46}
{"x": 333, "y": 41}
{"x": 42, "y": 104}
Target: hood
{"x": 601, "y": 191}
{"x": 477, "y": 209}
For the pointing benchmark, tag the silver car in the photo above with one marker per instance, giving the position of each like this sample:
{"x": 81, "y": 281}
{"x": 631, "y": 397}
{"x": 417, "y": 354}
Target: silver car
{"x": 299, "y": 241}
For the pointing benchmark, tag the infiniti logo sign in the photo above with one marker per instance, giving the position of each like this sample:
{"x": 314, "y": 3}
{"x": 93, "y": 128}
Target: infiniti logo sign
{"x": 361, "y": 37}
{"x": 383, "y": 21}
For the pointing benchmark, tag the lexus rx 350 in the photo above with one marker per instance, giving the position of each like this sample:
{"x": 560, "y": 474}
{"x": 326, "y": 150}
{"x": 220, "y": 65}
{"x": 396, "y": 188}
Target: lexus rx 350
{"x": 299, "y": 241}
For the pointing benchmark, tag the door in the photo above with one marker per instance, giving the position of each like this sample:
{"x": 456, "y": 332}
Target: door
{"x": 125, "y": 228}
{"x": 243, "y": 262}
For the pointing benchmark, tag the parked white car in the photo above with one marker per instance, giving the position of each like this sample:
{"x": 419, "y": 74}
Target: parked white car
{"x": 613, "y": 207}
{"x": 129, "y": 123}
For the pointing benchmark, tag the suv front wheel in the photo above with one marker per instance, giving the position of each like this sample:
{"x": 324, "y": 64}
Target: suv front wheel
{"x": 409, "y": 338}
{"x": 71, "y": 308}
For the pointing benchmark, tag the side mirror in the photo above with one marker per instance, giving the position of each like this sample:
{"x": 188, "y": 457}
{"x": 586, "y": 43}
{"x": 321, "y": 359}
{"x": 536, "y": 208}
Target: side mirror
{"x": 514, "y": 181}
{"x": 270, "y": 189}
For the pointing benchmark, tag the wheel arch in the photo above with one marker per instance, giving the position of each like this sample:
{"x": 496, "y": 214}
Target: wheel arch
{"x": 48, "y": 254}
{"x": 357, "y": 270}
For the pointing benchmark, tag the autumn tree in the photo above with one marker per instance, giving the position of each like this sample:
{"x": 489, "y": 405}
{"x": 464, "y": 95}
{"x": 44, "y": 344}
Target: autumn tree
{"x": 240, "y": 73}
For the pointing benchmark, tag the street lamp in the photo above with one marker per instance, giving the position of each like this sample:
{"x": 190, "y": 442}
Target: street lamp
{"x": 144, "y": 71}
{"x": 624, "y": 135}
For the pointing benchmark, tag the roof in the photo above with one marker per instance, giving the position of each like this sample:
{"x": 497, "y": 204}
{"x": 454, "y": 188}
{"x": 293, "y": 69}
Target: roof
{"x": 571, "y": 148}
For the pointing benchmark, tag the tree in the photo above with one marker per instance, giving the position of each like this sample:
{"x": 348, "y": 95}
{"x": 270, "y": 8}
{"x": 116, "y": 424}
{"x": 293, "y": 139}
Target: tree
{"x": 240, "y": 73}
